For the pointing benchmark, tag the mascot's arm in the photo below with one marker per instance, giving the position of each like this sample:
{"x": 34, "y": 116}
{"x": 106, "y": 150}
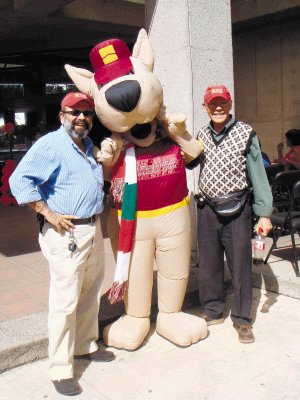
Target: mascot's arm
{"x": 175, "y": 127}
{"x": 109, "y": 154}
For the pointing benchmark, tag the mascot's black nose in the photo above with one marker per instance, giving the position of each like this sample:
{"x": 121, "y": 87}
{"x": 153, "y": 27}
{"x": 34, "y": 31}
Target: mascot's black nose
{"x": 124, "y": 96}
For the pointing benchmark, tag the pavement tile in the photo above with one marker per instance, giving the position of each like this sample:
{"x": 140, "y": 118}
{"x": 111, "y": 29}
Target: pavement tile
{"x": 30, "y": 280}
{"x": 272, "y": 381}
{"x": 19, "y": 309}
{"x": 39, "y": 268}
{"x": 15, "y": 273}
{"x": 217, "y": 368}
{"x": 3, "y": 317}
{"x": 29, "y": 259}
{"x": 38, "y": 292}
{"x": 12, "y": 296}
{"x": 6, "y": 262}
{"x": 5, "y": 284}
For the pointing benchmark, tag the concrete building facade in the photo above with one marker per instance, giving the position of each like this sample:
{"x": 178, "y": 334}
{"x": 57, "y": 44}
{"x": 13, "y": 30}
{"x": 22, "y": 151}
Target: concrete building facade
{"x": 266, "y": 54}
{"x": 195, "y": 43}
{"x": 249, "y": 45}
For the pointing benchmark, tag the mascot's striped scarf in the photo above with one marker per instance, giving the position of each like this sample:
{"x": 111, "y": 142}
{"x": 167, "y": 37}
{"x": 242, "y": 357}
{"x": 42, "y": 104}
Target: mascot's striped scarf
{"x": 127, "y": 227}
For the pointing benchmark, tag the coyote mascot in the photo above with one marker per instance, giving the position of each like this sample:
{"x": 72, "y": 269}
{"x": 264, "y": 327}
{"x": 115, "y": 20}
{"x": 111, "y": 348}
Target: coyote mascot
{"x": 150, "y": 220}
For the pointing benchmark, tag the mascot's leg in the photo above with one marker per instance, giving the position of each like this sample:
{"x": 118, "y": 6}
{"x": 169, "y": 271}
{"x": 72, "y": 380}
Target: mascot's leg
{"x": 173, "y": 253}
{"x": 129, "y": 331}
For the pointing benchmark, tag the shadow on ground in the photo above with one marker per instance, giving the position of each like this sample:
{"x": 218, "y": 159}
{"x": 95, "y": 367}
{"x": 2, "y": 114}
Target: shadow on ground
{"x": 19, "y": 230}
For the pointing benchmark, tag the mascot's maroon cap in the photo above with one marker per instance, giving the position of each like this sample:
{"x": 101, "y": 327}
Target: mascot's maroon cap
{"x": 110, "y": 60}
{"x": 73, "y": 98}
{"x": 213, "y": 92}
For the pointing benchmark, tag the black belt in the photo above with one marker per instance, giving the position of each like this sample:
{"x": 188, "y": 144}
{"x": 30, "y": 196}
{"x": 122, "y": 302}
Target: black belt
{"x": 83, "y": 221}
{"x": 80, "y": 221}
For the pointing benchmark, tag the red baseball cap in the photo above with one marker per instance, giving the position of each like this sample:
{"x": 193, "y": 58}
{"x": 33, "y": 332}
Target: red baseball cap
{"x": 213, "y": 92}
{"x": 110, "y": 59}
{"x": 72, "y": 99}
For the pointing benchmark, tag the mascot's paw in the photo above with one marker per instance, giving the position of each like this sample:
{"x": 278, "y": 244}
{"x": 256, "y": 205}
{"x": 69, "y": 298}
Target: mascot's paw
{"x": 110, "y": 148}
{"x": 180, "y": 328}
{"x": 127, "y": 332}
{"x": 176, "y": 125}
{"x": 96, "y": 153}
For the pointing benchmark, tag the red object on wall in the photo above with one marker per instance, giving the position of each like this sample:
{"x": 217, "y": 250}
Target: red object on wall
{"x": 9, "y": 128}
{"x": 7, "y": 198}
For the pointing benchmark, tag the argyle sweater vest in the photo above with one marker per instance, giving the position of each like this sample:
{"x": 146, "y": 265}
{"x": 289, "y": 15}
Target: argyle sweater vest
{"x": 223, "y": 163}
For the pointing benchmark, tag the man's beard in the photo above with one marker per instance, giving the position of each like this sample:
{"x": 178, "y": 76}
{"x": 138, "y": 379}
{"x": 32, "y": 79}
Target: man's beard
{"x": 71, "y": 129}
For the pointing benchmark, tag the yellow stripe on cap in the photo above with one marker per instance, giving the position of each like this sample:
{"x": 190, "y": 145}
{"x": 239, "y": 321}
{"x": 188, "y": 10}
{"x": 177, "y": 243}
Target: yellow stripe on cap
{"x": 108, "y": 54}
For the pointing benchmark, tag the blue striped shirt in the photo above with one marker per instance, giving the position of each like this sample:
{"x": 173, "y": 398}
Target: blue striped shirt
{"x": 56, "y": 171}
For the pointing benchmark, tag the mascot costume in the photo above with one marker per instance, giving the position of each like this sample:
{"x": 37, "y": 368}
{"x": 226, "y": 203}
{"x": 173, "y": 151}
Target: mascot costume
{"x": 150, "y": 219}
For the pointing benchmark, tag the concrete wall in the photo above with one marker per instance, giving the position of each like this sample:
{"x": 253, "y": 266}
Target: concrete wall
{"x": 189, "y": 56}
{"x": 243, "y": 10}
{"x": 267, "y": 84}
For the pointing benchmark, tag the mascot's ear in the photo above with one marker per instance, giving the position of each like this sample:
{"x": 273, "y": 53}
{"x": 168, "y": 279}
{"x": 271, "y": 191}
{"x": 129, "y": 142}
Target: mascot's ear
{"x": 81, "y": 77}
{"x": 143, "y": 50}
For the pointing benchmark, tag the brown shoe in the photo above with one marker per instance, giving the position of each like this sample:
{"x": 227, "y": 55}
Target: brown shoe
{"x": 67, "y": 387}
{"x": 245, "y": 333}
{"x": 98, "y": 356}
{"x": 212, "y": 321}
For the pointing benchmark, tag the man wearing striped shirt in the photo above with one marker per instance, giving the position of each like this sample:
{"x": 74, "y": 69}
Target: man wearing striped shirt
{"x": 60, "y": 180}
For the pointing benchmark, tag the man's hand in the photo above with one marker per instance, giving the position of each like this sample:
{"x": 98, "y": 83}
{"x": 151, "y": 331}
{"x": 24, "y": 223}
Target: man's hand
{"x": 264, "y": 224}
{"x": 60, "y": 221}
{"x": 280, "y": 149}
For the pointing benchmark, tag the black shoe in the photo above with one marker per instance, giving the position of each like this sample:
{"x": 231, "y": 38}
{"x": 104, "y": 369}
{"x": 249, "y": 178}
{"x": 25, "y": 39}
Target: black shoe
{"x": 245, "y": 333}
{"x": 98, "y": 356}
{"x": 67, "y": 387}
{"x": 212, "y": 321}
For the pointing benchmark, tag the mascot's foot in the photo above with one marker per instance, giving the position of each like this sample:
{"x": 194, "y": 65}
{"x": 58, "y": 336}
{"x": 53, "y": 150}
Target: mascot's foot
{"x": 127, "y": 332}
{"x": 180, "y": 328}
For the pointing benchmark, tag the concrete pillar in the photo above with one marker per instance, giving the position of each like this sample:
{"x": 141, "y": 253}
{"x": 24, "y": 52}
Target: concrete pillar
{"x": 192, "y": 44}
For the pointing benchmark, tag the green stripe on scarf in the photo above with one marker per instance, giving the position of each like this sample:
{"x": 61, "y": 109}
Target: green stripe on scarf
{"x": 129, "y": 202}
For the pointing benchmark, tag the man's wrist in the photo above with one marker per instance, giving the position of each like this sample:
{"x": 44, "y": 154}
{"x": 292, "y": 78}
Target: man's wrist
{"x": 40, "y": 207}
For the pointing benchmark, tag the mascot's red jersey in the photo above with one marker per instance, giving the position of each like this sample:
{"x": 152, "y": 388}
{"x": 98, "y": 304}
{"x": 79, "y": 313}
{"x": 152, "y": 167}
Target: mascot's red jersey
{"x": 161, "y": 176}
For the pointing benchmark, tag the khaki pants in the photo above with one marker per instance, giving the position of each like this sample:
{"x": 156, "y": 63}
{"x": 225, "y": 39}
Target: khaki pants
{"x": 74, "y": 298}
{"x": 167, "y": 240}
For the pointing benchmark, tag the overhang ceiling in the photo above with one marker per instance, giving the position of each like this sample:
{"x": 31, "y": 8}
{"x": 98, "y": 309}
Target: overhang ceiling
{"x": 53, "y": 32}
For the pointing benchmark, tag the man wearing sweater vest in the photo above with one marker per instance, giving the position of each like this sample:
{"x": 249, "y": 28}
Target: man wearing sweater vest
{"x": 232, "y": 178}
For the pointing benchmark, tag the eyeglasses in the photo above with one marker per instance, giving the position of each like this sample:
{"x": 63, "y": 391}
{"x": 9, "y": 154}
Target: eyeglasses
{"x": 222, "y": 104}
{"x": 76, "y": 113}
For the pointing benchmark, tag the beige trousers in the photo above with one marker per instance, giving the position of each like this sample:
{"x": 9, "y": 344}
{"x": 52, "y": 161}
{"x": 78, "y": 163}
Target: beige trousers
{"x": 167, "y": 240}
{"x": 74, "y": 297}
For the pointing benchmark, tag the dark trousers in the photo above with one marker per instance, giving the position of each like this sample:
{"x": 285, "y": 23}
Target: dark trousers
{"x": 232, "y": 236}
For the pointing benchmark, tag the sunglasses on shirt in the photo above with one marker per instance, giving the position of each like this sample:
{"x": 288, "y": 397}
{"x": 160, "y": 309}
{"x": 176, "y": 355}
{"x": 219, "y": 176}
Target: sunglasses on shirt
{"x": 76, "y": 113}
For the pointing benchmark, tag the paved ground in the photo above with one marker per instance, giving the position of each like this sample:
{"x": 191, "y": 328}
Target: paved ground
{"x": 24, "y": 275}
{"x": 217, "y": 368}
